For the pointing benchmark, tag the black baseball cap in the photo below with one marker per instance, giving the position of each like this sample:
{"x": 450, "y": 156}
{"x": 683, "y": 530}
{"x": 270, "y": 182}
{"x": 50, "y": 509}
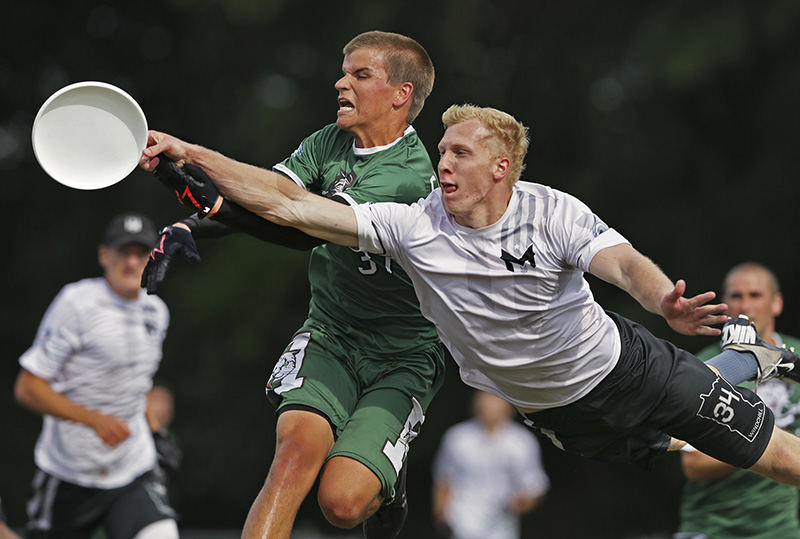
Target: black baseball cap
{"x": 130, "y": 228}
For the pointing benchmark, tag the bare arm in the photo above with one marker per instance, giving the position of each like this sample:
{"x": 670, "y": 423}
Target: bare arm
{"x": 523, "y": 502}
{"x": 35, "y": 393}
{"x": 441, "y": 499}
{"x": 263, "y": 192}
{"x": 627, "y": 268}
{"x": 698, "y": 466}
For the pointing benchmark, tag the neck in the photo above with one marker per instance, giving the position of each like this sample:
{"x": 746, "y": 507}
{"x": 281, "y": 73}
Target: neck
{"x": 378, "y": 135}
{"x": 123, "y": 293}
{"x": 488, "y": 212}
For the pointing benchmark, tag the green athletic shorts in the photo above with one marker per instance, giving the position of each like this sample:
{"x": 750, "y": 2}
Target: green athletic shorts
{"x": 375, "y": 404}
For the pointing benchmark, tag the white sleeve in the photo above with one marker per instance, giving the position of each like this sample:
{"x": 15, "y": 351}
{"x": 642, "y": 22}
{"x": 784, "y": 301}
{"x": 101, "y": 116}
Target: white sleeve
{"x": 579, "y": 233}
{"x": 530, "y": 474}
{"x": 381, "y": 226}
{"x": 57, "y": 338}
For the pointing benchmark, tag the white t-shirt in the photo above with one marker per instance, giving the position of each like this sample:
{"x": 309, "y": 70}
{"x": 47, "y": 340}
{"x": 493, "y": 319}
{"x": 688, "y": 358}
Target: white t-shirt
{"x": 100, "y": 351}
{"x": 484, "y": 470}
{"x": 509, "y": 300}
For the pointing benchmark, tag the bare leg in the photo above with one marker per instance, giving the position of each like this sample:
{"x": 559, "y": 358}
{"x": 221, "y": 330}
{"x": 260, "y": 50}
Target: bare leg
{"x": 349, "y": 492}
{"x": 304, "y": 440}
{"x": 781, "y": 459}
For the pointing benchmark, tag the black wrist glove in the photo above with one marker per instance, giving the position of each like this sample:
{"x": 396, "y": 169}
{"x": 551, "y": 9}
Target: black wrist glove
{"x": 190, "y": 184}
{"x": 174, "y": 240}
{"x": 168, "y": 455}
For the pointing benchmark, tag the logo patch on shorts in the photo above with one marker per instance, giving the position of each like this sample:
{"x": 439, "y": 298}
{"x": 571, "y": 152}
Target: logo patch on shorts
{"x": 285, "y": 374}
{"x": 726, "y": 405}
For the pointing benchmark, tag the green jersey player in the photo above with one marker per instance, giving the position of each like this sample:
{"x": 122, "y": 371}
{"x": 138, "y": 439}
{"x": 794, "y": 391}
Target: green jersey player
{"x": 353, "y": 384}
{"x": 722, "y": 501}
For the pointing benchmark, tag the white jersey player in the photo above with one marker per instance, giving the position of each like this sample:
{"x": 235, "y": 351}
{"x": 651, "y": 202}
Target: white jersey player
{"x": 88, "y": 371}
{"x": 498, "y": 268}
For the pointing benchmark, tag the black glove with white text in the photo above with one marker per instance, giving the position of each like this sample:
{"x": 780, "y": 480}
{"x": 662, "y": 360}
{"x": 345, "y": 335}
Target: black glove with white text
{"x": 173, "y": 241}
{"x": 190, "y": 184}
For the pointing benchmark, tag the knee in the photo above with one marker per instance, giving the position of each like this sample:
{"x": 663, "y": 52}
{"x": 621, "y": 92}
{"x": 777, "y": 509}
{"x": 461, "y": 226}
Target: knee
{"x": 343, "y": 508}
{"x": 297, "y": 456}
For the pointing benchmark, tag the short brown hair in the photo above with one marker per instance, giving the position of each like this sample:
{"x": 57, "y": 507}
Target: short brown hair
{"x": 405, "y": 60}
{"x": 507, "y": 136}
{"x": 772, "y": 279}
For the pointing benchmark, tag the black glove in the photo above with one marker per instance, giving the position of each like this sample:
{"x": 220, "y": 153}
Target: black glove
{"x": 174, "y": 240}
{"x": 190, "y": 184}
{"x": 168, "y": 455}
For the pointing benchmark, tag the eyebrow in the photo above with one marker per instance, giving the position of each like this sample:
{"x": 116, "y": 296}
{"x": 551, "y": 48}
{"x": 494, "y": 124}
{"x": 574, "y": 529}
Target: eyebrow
{"x": 364, "y": 69}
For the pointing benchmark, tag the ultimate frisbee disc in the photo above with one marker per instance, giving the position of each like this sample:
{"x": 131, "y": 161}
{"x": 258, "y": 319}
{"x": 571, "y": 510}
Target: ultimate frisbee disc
{"x": 89, "y": 135}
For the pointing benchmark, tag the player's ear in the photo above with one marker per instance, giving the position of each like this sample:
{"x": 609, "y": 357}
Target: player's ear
{"x": 777, "y": 304}
{"x": 403, "y": 93}
{"x": 501, "y": 167}
{"x": 102, "y": 256}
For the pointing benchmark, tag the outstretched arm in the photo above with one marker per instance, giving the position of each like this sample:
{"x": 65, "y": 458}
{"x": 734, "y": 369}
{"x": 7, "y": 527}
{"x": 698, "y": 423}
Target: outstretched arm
{"x": 627, "y": 268}
{"x": 265, "y": 193}
{"x": 235, "y": 180}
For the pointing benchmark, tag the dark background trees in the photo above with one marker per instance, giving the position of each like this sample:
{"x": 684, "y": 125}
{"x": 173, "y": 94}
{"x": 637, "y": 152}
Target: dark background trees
{"x": 675, "y": 121}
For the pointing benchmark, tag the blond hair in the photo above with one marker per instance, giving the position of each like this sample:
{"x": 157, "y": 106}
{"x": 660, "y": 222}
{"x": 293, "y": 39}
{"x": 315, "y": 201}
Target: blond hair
{"x": 506, "y": 136}
{"x": 404, "y": 59}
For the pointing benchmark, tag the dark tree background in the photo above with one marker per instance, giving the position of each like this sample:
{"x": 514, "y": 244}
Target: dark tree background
{"x": 675, "y": 121}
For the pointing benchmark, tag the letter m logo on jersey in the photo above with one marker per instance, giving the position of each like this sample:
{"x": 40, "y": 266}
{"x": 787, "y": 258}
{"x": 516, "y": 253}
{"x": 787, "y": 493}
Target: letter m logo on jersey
{"x": 510, "y": 259}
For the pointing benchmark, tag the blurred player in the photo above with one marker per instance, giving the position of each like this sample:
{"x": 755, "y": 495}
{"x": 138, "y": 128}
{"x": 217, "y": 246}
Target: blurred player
{"x": 718, "y": 499}
{"x": 160, "y": 412}
{"x": 498, "y": 267}
{"x": 353, "y": 385}
{"x": 87, "y": 373}
{"x": 487, "y": 472}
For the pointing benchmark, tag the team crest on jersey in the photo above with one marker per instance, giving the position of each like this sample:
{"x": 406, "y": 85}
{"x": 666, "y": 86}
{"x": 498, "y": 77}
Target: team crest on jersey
{"x": 528, "y": 256}
{"x": 343, "y": 182}
{"x": 298, "y": 151}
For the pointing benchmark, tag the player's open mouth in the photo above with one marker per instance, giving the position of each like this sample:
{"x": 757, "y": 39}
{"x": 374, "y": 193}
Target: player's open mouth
{"x": 345, "y": 105}
{"x": 448, "y": 187}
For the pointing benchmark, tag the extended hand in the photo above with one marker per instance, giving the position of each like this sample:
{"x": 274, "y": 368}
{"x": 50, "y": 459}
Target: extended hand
{"x": 174, "y": 240}
{"x": 160, "y": 145}
{"x": 691, "y": 316}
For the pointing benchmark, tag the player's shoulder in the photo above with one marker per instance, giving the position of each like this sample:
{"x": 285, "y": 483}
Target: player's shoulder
{"x": 327, "y": 139}
{"x": 153, "y": 302}
{"x": 463, "y": 430}
{"x": 83, "y": 291}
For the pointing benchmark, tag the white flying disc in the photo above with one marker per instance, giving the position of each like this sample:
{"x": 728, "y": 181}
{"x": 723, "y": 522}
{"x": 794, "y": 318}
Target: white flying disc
{"x": 89, "y": 135}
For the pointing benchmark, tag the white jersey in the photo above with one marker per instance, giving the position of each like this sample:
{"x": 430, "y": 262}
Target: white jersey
{"x": 100, "y": 351}
{"x": 484, "y": 471}
{"x": 509, "y": 300}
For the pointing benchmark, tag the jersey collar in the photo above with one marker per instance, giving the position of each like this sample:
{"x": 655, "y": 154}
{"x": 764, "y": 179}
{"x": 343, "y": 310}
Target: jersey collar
{"x": 376, "y": 149}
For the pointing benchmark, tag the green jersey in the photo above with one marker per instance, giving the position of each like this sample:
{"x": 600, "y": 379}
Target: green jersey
{"x": 743, "y": 503}
{"x": 364, "y": 298}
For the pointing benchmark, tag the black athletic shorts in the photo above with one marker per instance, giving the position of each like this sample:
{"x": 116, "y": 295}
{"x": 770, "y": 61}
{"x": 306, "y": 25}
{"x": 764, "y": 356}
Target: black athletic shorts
{"x": 59, "y": 509}
{"x": 655, "y": 391}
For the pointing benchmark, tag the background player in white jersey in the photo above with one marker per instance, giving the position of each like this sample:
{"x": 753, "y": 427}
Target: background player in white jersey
{"x": 353, "y": 385}
{"x": 88, "y": 371}
{"x": 487, "y": 472}
{"x": 498, "y": 267}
